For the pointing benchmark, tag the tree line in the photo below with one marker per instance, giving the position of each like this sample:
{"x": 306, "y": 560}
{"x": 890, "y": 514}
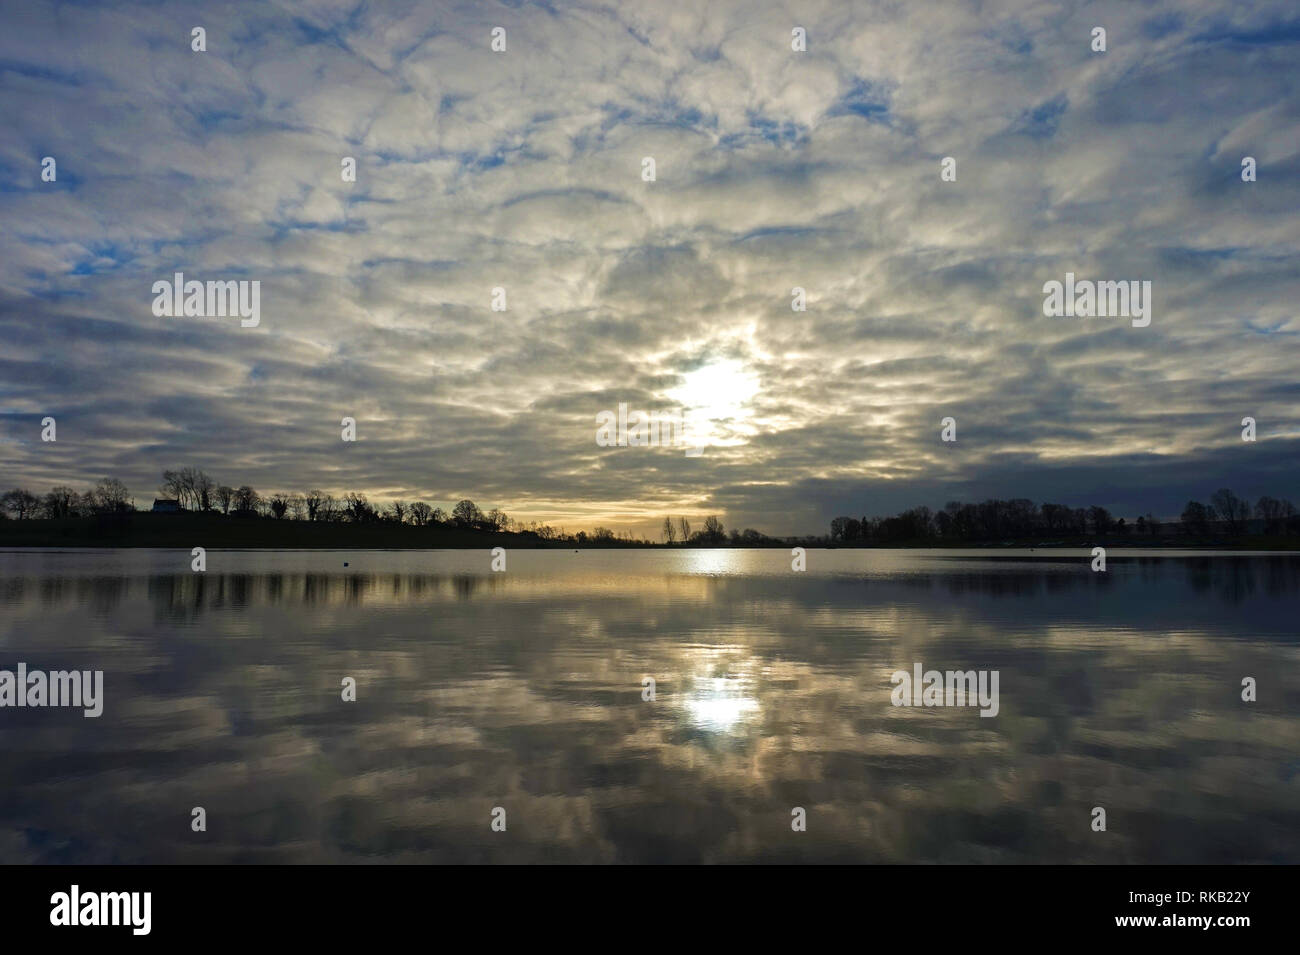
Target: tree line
{"x": 678, "y": 530}
{"x": 197, "y": 492}
{"x": 1225, "y": 515}
{"x": 109, "y": 496}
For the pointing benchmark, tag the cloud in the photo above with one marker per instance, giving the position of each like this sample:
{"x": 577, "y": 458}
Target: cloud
{"x": 774, "y": 169}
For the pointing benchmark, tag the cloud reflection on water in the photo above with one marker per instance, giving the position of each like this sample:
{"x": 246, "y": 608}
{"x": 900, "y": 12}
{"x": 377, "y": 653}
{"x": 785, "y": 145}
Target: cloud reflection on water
{"x": 524, "y": 690}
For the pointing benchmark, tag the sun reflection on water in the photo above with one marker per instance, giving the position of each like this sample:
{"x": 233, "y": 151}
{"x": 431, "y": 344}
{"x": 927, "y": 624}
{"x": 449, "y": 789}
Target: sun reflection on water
{"x": 720, "y": 696}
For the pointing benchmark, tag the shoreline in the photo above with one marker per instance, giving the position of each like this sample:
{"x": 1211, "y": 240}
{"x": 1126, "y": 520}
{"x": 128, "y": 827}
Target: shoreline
{"x": 144, "y": 530}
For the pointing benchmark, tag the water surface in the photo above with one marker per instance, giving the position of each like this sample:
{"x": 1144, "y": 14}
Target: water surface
{"x": 523, "y": 690}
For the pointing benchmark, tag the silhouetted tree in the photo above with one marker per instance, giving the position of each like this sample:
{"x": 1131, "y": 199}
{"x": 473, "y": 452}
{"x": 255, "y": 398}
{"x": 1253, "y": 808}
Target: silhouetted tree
{"x": 172, "y": 487}
{"x": 1274, "y": 513}
{"x": 356, "y": 508}
{"x": 111, "y": 497}
{"x": 1231, "y": 509}
{"x": 20, "y": 503}
{"x": 1100, "y": 519}
{"x": 713, "y": 530}
{"x": 1055, "y": 517}
{"x": 247, "y": 501}
{"x": 1195, "y": 518}
{"x": 61, "y": 502}
{"x": 466, "y": 513}
{"x": 202, "y": 488}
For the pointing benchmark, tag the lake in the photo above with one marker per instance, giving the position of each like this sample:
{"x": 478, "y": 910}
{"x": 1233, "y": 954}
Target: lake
{"x": 520, "y": 696}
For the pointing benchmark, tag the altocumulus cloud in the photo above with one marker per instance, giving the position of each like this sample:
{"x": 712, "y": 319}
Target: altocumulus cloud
{"x": 774, "y": 169}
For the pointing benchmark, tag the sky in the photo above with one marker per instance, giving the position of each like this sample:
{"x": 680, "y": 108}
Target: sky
{"x": 524, "y": 170}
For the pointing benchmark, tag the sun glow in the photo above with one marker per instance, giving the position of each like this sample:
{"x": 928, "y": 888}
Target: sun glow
{"x": 716, "y": 396}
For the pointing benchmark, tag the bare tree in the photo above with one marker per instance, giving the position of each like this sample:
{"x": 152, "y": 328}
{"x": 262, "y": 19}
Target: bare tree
{"x": 1274, "y": 513}
{"x": 111, "y": 496}
{"x": 1100, "y": 519}
{"x": 466, "y": 513}
{"x": 62, "y": 501}
{"x": 203, "y": 487}
{"x": 1195, "y": 517}
{"x": 357, "y": 508}
{"x": 312, "y": 499}
{"x": 670, "y": 532}
{"x": 247, "y": 501}
{"x": 1231, "y": 509}
{"x": 683, "y": 529}
{"x": 224, "y": 497}
{"x": 278, "y": 505}
{"x": 182, "y": 482}
{"x": 21, "y": 503}
{"x": 173, "y": 486}
{"x": 189, "y": 486}
{"x": 713, "y": 529}
{"x": 420, "y": 513}
{"x": 189, "y": 492}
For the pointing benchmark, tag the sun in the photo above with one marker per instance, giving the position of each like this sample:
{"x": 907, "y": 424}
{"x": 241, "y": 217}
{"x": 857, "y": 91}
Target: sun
{"x": 717, "y": 394}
